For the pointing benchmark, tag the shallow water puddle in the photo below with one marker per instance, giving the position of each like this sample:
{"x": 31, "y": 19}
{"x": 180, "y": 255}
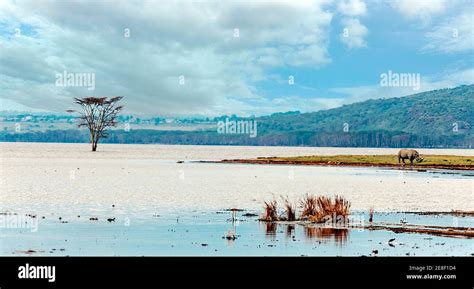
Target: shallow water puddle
{"x": 215, "y": 234}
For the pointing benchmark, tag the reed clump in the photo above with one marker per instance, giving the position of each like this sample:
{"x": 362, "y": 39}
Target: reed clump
{"x": 313, "y": 208}
{"x": 309, "y": 206}
{"x": 271, "y": 213}
{"x": 290, "y": 211}
{"x": 327, "y": 208}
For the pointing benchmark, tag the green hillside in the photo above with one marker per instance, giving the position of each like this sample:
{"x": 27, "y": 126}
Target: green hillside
{"x": 442, "y": 118}
{"x": 428, "y": 113}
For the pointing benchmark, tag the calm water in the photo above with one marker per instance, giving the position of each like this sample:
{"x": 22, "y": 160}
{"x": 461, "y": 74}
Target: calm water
{"x": 202, "y": 233}
{"x": 132, "y": 183}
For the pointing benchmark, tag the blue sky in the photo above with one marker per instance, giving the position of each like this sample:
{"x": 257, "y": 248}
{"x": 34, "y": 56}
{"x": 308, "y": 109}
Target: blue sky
{"x": 235, "y": 57}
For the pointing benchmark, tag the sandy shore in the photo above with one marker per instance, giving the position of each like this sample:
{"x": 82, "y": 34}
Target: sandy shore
{"x": 146, "y": 179}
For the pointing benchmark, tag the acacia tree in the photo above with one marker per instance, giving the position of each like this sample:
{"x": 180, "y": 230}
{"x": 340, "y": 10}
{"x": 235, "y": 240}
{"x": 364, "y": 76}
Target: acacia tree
{"x": 98, "y": 113}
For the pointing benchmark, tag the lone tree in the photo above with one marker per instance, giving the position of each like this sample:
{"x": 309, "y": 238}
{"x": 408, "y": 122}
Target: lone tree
{"x": 98, "y": 113}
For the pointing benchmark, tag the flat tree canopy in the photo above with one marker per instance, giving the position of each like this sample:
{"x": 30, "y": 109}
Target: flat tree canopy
{"x": 98, "y": 113}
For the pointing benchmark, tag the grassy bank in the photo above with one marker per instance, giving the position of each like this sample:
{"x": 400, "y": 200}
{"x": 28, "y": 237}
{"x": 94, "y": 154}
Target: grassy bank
{"x": 429, "y": 161}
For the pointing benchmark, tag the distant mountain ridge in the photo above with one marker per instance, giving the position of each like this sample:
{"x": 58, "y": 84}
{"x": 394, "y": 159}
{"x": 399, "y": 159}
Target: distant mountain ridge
{"x": 435, "y": 112}
{"x": 440, "y": 118}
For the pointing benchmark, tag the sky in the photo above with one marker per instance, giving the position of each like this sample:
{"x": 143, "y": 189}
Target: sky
{"x": 211, "y": 58}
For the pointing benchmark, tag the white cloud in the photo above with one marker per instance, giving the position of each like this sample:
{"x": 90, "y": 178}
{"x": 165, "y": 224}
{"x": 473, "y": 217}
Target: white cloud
{"x": 354, "y": 33}
{"x": 289, "y": 103}
{"x": 168, "y": 39}
{"x": 448, "y": 79}
{"x": 194, "y": 39}
{"x": 422, "y": 9}
{"x": 352, "y": 7}
{"x": 453, "y": 35}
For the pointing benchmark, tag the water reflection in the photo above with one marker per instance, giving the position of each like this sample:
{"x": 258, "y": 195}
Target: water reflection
{"x": 289, "y": 230}
{"x": 231, "y": 234}
{"x": 340, "y": 235}
{"x": 270, "y": 229}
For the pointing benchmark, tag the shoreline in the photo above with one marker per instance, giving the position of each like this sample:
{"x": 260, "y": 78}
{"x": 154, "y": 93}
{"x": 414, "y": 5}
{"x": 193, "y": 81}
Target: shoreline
{"x": 335, "y": 162}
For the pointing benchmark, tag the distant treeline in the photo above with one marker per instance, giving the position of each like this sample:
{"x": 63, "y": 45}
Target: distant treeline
{"x": 441, "y": 118}
{"x": 300, "y": 138}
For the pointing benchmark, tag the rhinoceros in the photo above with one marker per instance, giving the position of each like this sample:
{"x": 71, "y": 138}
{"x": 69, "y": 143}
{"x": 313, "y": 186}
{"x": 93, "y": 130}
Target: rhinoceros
{"x": 410, "y": 155}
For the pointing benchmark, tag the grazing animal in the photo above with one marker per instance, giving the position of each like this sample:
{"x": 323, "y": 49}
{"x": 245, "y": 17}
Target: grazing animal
{"x": 410, "y": 155}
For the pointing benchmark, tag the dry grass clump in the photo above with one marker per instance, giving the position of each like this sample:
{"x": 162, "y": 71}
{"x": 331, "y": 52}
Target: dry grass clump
{"x": 341, "y": 206}
{"x": 271, "y": 213}
{"x": 314, "y": 208}
{"x": 290, "y": 211}
{"x": 317, "y": 209}
{"x": 309, "y": 206}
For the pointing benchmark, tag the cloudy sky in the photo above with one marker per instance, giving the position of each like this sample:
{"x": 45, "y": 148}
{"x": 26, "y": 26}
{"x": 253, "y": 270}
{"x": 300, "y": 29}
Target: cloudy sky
{"x": 189, "y": 58}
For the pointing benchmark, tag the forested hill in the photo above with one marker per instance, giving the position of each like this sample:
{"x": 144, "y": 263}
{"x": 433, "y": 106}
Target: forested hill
{"x": 429, "y": 113}
{"x": 440, "y": 118}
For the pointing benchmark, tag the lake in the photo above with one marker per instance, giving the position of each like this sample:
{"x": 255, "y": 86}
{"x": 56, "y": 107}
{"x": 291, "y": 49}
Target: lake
{"x": 162, "y": 207}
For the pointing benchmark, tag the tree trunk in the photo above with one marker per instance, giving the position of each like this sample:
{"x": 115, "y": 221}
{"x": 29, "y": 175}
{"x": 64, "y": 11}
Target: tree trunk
{"x": 93, "y": 143}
